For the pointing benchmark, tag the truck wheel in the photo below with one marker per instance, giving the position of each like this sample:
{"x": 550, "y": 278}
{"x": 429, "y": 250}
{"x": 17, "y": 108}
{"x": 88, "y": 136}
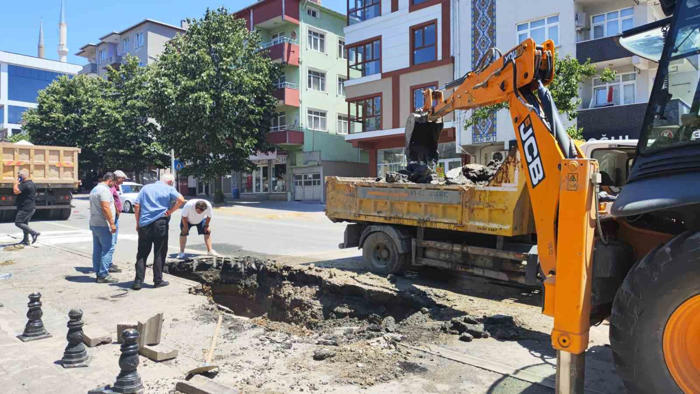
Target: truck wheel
{"x": 63, "y": 213}
{"x": 655, "y": 321}
{"x": 381, "y": 254}
{"x": 127, "y": 207}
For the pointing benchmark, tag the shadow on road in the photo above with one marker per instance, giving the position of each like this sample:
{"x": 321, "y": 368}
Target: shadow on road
{"x": 294, "y": 206}
{"x": 80, "y": 278}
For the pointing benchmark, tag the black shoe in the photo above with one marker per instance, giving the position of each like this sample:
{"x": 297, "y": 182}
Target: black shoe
{"x": 114, "y": 268}
{"x": 34, "y": 237}
{"x": 162, "y": 283}
{"x": 136, "y": 285}
{"x": 25, "y": 243}
{"x": 107, "y": 279}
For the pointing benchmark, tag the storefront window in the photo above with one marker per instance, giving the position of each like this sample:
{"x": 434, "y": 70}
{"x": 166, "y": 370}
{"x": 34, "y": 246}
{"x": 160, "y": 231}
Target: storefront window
{"x": 279, "y": 181}
{"x": 247, "y": 180}
{"x": 390, "y": 160}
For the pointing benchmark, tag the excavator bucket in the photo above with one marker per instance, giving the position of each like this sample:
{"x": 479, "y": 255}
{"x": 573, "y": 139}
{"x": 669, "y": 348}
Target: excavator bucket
{"x": 422, "y": 141}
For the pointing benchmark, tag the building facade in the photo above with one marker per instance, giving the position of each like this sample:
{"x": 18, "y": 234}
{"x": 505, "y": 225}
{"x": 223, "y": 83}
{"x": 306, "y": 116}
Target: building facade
{"x": 308, "y": 132}
{"x": 396, "y": 48}
{"x": 21, "y": 79}
{"x": 144, "y": 40}
{"x": 583, "y": 29}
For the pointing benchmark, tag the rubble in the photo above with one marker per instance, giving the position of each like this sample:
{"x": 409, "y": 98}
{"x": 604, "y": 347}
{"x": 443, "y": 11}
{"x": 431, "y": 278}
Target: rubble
{"x": 322, "y": 354}
{"x": 469, "y": 174}
{"x": 500, "y": 327}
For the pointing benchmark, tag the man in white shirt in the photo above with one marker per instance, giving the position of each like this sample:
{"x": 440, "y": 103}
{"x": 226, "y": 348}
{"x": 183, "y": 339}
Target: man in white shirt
{"x": 196, "y": 213}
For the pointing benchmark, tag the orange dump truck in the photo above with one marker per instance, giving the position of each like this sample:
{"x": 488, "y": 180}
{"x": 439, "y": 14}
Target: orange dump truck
{"x": 54, "y": 170}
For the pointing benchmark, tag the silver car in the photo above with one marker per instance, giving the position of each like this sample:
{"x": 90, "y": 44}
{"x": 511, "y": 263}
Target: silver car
{"x": 128, "y": 191}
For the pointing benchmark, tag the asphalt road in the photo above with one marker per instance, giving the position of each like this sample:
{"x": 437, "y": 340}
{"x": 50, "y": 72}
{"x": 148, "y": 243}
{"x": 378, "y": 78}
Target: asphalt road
{"x": 263, "y": 228}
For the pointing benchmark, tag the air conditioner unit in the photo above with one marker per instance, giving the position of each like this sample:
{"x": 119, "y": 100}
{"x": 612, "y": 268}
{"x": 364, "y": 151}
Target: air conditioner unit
{"x": 498, "y": 156}
{"x": 581, "y": 21}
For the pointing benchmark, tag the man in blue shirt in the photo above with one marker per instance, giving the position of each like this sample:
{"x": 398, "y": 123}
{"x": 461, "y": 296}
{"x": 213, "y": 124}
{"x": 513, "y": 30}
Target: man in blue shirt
{"x": 152, "y": 209}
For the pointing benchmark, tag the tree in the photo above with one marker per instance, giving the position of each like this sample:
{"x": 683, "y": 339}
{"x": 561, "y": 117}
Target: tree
{"x": 569, "y": 74}
{"x": 72, "y": 112}
{"x": 129, "y": 143}
{"x": 211, "y": 94}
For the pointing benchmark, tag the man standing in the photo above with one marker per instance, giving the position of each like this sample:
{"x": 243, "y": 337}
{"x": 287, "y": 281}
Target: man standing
{"x": 152, "y": 209}
{"x": 102, "y": 225}
{"x": 119, "y": 178}
{"x": 196, "y": 213}
{"x": 25, "y": 190}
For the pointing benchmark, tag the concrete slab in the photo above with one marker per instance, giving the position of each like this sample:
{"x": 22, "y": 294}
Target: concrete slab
{"x": 158, "y": 353}
{"x": 201, "y": 385}
{"x": 95, "y": 336}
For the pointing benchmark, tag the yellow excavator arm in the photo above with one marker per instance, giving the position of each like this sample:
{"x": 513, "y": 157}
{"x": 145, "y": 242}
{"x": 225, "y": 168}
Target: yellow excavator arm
{"x": 561, "y": 184}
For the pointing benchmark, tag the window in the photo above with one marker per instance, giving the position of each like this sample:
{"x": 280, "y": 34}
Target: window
{"x": 423, "y": 41}
{"x": 281, "y": 81}
{"x": 540, "y": 30}
{"x": 317, "y": 41}
{"x": 342, "y": 127}
{"x": 341, "y": 50}
{"x": 361, "y": 10}
{"x": 415, "y": 2}
{"x": 14, "y": 114}
{"x": 277, "y": 38}
{"x": 365, "y": 58}
{"x": 390, "y": 160}
{"x": 279, "y": 122}
{"x": 24, "y": 84}
{"x": 102, "y": 56}
{"x": 312, "y": 12}
{"x": 139, "y": 40}
{"x": 316, "y": 120}
{"x": 418, "y": 96}
{"x": 317, "y": 80}
{"x": 365, "y": 114}
{"x": 612, "y": 23}
{"x": 341, "y": 86}
{"x": 620, "y": 91}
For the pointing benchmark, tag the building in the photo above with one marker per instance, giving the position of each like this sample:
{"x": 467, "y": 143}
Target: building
{"x": 584, "y": 29}
{"x": 396, "y": 48}
{"x": 308, "y": 132}
{"x": 23, "y": 76}
{"x": 144, "y": 40}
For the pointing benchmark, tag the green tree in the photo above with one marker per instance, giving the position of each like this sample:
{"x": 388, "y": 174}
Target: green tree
{"x": 211, "y": 94}
{"x": 569, "y": 74}
{"x": 72, "y": 112}
{"x": 129, "y": 142}
{"x": 17, "y": 137}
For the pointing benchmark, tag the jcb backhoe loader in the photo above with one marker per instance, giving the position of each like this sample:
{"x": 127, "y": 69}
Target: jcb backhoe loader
{"x": 655, "y": 317}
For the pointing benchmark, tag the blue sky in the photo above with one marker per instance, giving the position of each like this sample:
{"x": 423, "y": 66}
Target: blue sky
{"x": 88, "y": 20}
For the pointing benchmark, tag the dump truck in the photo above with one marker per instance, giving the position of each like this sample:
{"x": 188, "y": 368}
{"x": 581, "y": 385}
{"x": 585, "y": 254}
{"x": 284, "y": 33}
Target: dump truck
{"x": 632, "y": 257}
{"x": 54, "y": 170}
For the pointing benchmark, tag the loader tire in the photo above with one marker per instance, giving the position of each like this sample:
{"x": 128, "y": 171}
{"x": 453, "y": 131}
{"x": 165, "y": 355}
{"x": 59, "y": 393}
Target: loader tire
{"x": 655, "y": 320}
{"x": 381, "y": 255}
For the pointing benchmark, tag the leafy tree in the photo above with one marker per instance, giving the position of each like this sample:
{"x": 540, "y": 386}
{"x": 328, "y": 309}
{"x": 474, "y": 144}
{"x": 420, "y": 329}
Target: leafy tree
{"x": 129, "y": 143}
{"x": 17, "y": 137}
{"x": 72, "y": 112}
{"x": 569, "y": 74}
{"x": 211, "y": 94}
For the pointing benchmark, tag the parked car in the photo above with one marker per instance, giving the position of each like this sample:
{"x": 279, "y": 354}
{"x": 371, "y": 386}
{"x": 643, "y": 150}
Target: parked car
{"x": 128, "y": 192}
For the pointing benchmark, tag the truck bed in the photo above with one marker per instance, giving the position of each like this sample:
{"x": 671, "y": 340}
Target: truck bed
{"x": 500, "y": 208}
{"x": 56, "y": 166}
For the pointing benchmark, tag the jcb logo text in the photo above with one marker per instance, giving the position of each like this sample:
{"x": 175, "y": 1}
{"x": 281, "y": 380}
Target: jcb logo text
{"x": 532, "y": 152}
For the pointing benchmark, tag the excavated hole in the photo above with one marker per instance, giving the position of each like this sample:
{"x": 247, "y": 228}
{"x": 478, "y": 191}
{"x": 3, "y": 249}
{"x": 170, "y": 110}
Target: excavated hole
{"x": 304, "y": 296}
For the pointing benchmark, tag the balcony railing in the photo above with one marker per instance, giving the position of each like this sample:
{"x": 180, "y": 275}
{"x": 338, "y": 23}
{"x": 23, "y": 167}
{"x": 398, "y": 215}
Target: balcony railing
{"x": 288, "y": 85}
{"x": 287, "y": 95}
{"x": 285, "y": 137}
{"x": 278, "y": 40}
{"x": 600, "y": 50}
{"x": 90, "y": 68}
{"x": 613, "y": 122}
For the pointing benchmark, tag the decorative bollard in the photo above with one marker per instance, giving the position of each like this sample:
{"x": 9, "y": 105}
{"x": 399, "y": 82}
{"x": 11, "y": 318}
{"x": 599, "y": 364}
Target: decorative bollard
{"x": 35, "y": 327}
{"x": 75, "y": 354}
{"x": 128, "y": 380}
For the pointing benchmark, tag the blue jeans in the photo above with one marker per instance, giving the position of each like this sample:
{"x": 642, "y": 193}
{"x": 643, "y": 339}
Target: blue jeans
{"x": 101, "y": 250}
{"x": 114, "y": 238}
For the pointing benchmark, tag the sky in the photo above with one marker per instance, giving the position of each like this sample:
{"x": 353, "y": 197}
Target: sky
{"x": 88, "y": 20}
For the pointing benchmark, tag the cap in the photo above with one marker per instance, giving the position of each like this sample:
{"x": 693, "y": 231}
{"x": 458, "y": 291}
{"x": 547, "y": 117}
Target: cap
{"x": 120, "y": 174}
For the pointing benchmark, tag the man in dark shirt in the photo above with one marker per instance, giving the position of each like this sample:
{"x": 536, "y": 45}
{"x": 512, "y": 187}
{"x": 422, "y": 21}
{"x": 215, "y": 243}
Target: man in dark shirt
{"x": 25, "y": 190}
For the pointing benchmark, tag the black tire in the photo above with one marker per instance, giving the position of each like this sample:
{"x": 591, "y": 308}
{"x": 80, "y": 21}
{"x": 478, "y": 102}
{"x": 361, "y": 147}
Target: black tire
{"x": 127, "y": 207}
{"x": 381, "y": 255}
{"x": 63, "y": 213}
{"x": 651, "y": 291}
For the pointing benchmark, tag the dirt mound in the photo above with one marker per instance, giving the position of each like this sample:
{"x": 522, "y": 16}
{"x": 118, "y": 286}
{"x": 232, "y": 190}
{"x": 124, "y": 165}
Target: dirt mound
{"x": 501, "y": 327}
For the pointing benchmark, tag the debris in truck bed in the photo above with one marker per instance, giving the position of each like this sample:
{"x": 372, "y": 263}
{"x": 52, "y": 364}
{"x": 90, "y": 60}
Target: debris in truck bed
{"x": 469, "y": 174}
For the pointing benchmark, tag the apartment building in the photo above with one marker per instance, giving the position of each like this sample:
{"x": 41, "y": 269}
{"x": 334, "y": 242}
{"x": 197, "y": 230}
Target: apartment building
{"x": 396, "y": 48}
{"x": 308, "y": 132}
{"x": 21, "y": 79}
{"x": 584, "y": 29}
{"x": 145, "y": 40}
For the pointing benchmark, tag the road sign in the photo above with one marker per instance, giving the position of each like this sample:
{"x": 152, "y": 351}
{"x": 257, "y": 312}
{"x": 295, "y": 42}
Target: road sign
{"x": 178, "y": 165}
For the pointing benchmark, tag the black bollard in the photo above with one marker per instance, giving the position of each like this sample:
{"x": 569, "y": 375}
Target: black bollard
{"x": 35, "y": 327}
{"x": 128, "y": 380}
{"x": 75, "y": 354}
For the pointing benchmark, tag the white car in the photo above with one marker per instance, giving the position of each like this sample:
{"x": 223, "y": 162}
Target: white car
{"x": 128, "y": 191}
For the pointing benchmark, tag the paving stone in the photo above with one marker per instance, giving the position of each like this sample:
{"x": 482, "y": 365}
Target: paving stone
{"x": 201, "y": 385}
{"x": 158, "y": 352}
{"x": 150, "y": 331}
{"x": 95, "y": 336}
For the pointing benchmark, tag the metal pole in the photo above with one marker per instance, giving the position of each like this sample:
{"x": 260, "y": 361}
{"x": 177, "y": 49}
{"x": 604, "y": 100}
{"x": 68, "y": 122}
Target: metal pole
{"x": 570, "y": 372}
{"x": 172, "y": 169}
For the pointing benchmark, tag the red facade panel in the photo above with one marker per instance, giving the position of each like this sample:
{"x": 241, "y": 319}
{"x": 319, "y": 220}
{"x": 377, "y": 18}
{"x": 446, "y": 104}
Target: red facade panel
{"x": 286, "y": 137}
{"x": 288, "y": 96}
{"x": 288, "y": 53}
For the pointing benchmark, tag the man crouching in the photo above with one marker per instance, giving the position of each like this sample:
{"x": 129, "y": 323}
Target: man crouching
{"x": 196, "y": 213}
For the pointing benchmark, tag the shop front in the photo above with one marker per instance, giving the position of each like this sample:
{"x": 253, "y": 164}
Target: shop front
{"x": 268, "y": 180}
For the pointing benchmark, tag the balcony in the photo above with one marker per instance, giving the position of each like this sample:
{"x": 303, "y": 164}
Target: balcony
{"x": 90, "y": 68}
{"x": 613, "y": 122}
{"x": 601, "y": 50}
{"x": 282, "y": 137}
{"x": 288, "y": 94}
{"x": 270, "y": 13}
{"x": 284, "y": 50}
